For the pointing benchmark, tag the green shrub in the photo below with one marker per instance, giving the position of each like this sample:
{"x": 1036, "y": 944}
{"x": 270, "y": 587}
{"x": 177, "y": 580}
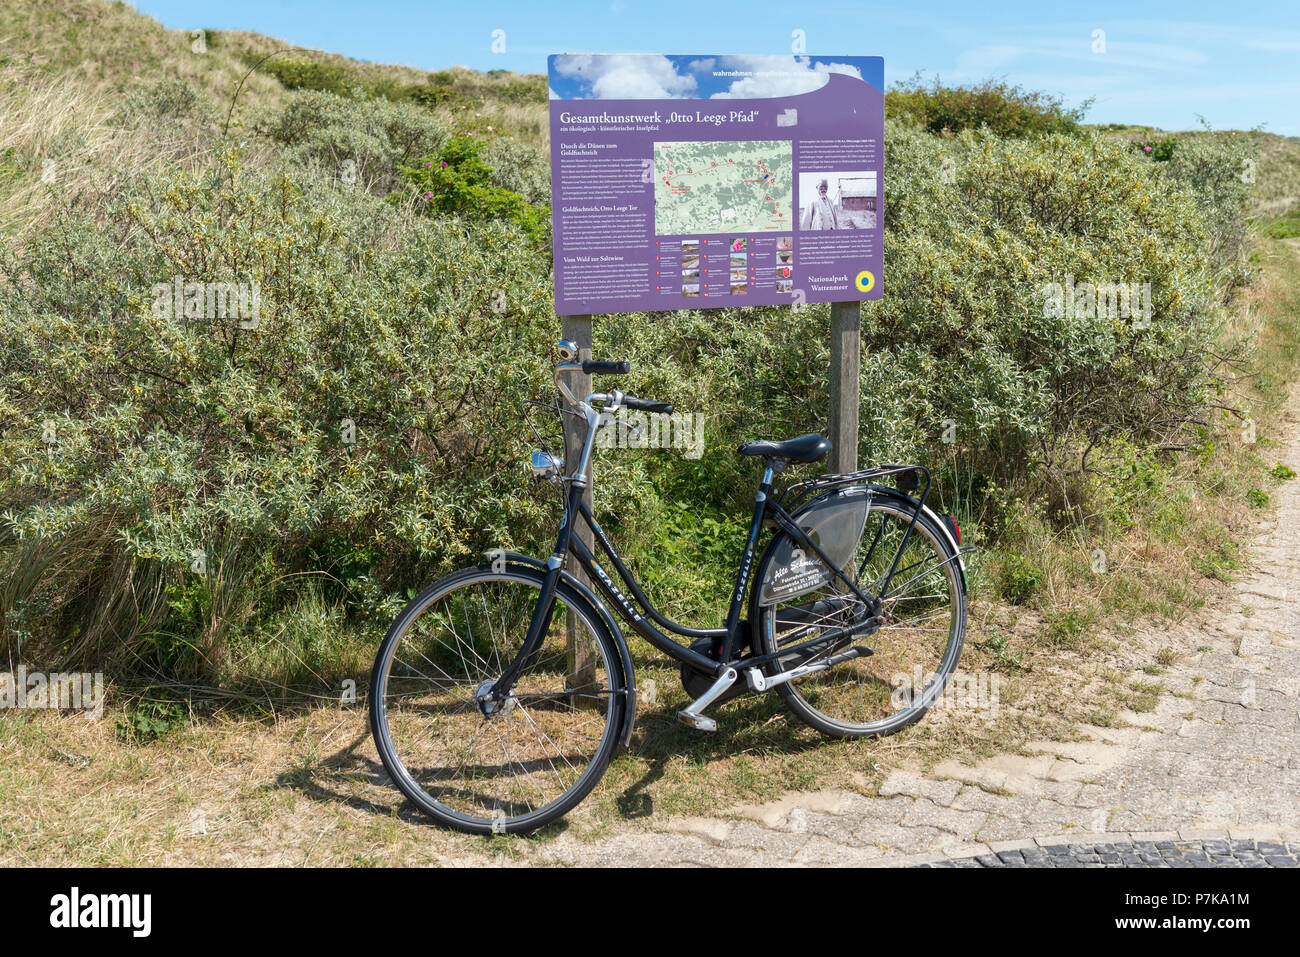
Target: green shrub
{"x": 160, "y": 437}
{"x": 965, "y": 342}
{"x": 521, "y": 168}
{"x": 299, "y": 73}
{"x": 1283, "y": 227}
{"x": 172, "y": 437}
{"x": 1001, "y": 108}
{"x": 998, "y": 644}
{"x": 432, "y": 96}
{"x": 1218, "y": 172}
{"x": 1020, "y": 578}
{"x": 151, "y": 720}
{"x": 1160, "y": 150}
{"x": 378, "y": 136}
{"x": 457, "y": 180}
{"x": 165, "y": 99}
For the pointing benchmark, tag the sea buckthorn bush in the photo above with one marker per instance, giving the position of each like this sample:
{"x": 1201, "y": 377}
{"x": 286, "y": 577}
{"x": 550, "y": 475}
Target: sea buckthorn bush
{"x": 174, "y": 485}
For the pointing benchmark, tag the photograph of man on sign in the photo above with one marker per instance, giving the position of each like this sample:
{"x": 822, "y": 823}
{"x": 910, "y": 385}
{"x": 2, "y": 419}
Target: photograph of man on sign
{"x": 820, "y": 212}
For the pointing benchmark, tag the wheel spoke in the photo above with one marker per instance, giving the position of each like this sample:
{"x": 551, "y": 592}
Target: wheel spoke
{"x": 858, "y": 696}
{"x": 549, "y": 737}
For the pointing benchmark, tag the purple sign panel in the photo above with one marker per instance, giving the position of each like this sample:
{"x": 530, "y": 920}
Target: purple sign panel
{"x": 689, "y": 182}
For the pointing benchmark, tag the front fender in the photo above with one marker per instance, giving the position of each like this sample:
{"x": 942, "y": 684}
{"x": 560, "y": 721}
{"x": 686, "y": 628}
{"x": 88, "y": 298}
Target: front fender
{"x": 624, "y": 656}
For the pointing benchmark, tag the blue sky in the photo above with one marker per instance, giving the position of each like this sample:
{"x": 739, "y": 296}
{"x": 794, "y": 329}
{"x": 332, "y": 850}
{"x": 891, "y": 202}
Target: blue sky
{"x": 665, "y": 76}
{"x": 1163, "y": 63}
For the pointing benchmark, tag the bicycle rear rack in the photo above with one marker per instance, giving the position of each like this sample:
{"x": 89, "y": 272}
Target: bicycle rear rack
{"x": 796, "y": 494}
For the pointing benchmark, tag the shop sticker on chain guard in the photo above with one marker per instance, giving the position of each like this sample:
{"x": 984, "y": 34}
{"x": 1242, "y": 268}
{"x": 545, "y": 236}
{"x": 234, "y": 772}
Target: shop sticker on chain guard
{"x": 834, "y": 522}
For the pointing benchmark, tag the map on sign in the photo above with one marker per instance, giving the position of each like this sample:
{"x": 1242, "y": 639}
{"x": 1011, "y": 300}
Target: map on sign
{"x": 743, "y": 186}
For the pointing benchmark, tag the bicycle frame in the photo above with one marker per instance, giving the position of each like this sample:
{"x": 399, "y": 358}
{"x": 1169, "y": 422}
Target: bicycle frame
{"x": 640, "y": 612}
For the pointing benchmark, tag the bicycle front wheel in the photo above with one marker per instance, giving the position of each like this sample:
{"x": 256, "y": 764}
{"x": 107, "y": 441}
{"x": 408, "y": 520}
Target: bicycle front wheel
{"x": 526, "y": 761}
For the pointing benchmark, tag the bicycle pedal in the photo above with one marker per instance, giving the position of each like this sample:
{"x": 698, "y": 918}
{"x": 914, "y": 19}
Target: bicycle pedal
{"x": 700, "y": 722}
{"x": 691, "y": 713}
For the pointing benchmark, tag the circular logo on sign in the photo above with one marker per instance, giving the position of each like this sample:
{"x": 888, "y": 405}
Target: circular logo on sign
{"x": 866, "y": 280}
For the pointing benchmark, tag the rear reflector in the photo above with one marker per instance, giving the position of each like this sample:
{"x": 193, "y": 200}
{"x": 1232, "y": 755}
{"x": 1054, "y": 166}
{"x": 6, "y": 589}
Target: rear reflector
{"x": 953, "y": 527}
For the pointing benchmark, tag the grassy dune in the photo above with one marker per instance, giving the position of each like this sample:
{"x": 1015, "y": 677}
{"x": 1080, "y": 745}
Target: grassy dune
{"x": 105, "y": 114}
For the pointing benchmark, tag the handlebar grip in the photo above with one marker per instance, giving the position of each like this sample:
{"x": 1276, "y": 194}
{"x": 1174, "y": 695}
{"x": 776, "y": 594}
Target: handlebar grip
{"x": 648, "y": 405}
{"x": 596, "y": 365}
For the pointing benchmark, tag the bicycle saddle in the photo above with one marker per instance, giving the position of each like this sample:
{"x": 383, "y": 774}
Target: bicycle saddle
{"x": 806, "y": 448}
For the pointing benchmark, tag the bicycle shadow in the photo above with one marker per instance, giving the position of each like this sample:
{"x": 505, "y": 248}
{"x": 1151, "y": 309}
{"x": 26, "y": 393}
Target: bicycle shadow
{"x": 743, "y": 724}
{"x": 352, "y": 778}
{"x": 343, "y": 777}
{"x": 339, "y": 778}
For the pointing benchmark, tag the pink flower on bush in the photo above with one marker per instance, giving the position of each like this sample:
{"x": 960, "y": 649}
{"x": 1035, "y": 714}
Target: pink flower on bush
{"x": 428, "y": 195}
{"x": 444, "y": 164}
{"x": 1146, "y": 149}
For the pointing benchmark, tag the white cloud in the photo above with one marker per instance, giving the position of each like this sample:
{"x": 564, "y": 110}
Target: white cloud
{"x": 627, "y": 76}
{"x": 1275, "y": 46}
{"x": 990, "y": 59}
{"x": 783, "y": 76}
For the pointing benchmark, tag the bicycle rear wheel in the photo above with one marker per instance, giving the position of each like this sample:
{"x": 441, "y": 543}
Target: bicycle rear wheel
{"x": 914, "y": 653}
{"x": 525, "y": 762}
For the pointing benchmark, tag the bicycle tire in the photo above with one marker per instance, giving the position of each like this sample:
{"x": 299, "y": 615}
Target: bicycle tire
{"x": 796, "y": 693}
{"x": 435, "y": 802}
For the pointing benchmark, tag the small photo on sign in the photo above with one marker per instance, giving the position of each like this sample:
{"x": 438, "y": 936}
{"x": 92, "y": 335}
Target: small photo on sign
{"x": 785, "y": 285}
{"x": 691, "y": 289}
{"x": 784, "y": 256}
{"x": 738, "y": 260}
{"x": 738, "y": 245}
{"x": 690, "y": 247}
{"x": 690, "y": 262}
{"x": 837, "y": 200}
{"x": 785, "y": 242}
{"x": 739, "y": 288}
{"x": 738, "y": 275}
{"x": 782, "y": 272}
{"x": 690, "y": 275}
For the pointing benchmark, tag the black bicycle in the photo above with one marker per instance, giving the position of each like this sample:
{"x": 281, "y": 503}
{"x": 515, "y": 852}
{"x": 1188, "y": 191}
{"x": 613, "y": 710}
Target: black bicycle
{"x": 500, "y": 692}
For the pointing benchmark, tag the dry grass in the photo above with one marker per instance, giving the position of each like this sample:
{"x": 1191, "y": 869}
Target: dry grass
{"x": 109, "y": 48}
{"x": 66, "y": 67}
{"x": 59, "y": 141}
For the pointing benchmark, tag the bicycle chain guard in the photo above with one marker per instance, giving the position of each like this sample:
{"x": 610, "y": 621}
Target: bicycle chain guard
{"x": 834, "y": 521}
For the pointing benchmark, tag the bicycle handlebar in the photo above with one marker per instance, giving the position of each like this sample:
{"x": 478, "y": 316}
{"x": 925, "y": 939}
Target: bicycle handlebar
{"x": 595, "y": 365}
{"x": 648, "y": 405}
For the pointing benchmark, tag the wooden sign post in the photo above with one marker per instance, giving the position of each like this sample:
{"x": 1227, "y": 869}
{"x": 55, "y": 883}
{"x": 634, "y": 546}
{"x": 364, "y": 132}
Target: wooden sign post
{"x": 846, "y": 357}
{"x": 582, "y": 665}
